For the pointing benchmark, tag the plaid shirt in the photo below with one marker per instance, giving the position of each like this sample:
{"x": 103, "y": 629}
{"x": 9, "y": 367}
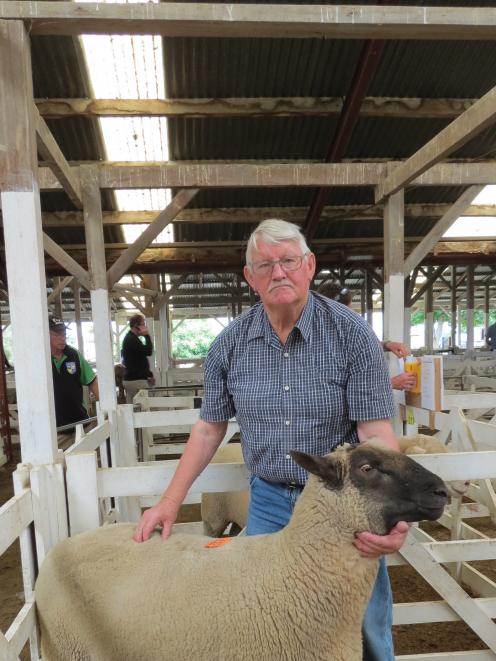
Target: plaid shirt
{"x": 306, "y": 395}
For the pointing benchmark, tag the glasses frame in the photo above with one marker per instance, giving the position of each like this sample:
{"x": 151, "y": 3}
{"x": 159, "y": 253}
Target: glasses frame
{"x": 253, "y": 265}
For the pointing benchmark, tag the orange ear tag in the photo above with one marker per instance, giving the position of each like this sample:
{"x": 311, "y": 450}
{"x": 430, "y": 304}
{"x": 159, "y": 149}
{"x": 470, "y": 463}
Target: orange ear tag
{"x": 215, "y": 543}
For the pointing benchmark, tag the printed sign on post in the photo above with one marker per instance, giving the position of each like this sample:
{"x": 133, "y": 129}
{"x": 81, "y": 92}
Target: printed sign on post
{"x": 432, "y": 389}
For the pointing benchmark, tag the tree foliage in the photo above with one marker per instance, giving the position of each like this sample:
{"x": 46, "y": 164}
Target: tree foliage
{"x": 192, "y": 339}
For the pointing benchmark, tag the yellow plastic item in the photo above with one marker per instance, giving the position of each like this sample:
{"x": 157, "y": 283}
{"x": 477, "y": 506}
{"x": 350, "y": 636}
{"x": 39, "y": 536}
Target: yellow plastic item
{"x": 414, "y": 365}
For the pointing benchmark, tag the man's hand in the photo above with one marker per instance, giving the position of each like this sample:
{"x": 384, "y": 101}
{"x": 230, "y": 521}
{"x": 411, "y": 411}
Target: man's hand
{"x": 373, "y": 546}
{"x": 404, "y": 381}
{"x": 163, "y": 514}
{"x": 398, "y": 348}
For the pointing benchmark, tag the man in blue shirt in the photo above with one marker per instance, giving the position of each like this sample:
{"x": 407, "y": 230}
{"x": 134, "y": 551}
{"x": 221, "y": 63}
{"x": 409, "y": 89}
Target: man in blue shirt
{"x": 298, "y": 371}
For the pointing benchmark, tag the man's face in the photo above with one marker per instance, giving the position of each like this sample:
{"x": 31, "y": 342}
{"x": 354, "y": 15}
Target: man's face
{"x": 277, "y": 286}
{"x": 57, "y": 340}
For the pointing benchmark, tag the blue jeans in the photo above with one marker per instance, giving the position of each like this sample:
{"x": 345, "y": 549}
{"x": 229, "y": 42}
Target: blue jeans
{"x": 271, "y": 507}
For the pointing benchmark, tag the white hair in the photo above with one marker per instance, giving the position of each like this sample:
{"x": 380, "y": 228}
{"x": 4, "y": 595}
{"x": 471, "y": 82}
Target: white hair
{"x": 274, "y": 230}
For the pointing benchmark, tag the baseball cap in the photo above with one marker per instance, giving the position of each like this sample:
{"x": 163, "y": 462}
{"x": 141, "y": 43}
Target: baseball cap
{"x": 56, "y": 324}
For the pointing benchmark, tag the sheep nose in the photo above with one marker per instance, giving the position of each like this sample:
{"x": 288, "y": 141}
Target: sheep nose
{"x": 441, "y": 491}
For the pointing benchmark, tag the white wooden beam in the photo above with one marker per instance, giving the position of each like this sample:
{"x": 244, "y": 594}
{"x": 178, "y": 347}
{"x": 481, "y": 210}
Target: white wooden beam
{"x": 474, "y": 120}
{"x": 442, "y": 226}
{"x": 118, "y": 268}
{"x": 53, "y": 156}
{"x": 221, "y": 20}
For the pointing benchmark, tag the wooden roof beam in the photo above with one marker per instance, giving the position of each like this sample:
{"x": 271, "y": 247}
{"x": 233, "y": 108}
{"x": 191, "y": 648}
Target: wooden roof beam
{"x": 442, "y": 226}
{"x": 117, "y": 270}
{"x": 58, "y": 289}
{"x": 231, "y": 20}
{"x": 66, "y": 261}
{"x": 253, "y": 215}
{"x": 409, "y": 108}
{"x": 253, "y": 175}
{"x": 55, "y": 159}
{"x": 474, "y": 120}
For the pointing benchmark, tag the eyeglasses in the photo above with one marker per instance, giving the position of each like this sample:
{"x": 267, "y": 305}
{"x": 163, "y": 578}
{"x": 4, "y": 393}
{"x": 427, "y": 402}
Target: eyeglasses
{"x": 286, "y": 263}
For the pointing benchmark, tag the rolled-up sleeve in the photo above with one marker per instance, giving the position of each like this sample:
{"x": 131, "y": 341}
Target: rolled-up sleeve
{"x": 369, "y": 392}
{"x": 217, "y": 404}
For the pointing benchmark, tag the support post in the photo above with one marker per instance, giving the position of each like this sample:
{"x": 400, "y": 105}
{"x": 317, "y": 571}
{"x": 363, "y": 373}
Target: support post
{"x": 470, "y": 307}
{"x": 453, "y": 307}
{"x": 76, "y": 292}
{"x": 99, "y": 294}
{"x": 394, "y": 279}
{"x": 164, "y": 342}
{"x": 369, "y": 300}
{"x": 429, "y": 316}
{"x": 24, "y": 246}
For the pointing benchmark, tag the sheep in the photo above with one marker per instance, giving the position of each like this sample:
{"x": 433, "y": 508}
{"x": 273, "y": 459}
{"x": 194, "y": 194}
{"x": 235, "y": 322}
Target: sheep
{"x": 298, "y": 594}
{"x": 423, "y": 444}
{"x": 220, "y": 509}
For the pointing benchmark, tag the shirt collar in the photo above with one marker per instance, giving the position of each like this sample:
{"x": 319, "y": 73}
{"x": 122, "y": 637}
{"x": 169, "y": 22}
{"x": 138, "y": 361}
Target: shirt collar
{"x": 261, "y": 327}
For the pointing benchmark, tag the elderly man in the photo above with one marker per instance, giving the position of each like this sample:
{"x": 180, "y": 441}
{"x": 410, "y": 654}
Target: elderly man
{"x": 70, "y": 371}
{"x": 299, "y": 371}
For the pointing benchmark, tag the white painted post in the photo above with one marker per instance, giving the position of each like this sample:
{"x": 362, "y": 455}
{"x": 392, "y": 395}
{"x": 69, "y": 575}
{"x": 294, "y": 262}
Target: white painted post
{"x": 21, "y": 482}
{"x": 129, "y": 508}
{"x": 82, "y": 492}
{"x": 50, "y": 519}
{"x": 24, "y": 256}
{"x": 93, "y": 222}
{"x": 394, "y": 282}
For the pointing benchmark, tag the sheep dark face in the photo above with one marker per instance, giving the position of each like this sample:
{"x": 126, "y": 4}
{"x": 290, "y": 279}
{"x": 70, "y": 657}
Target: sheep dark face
{"x": 392, "y": 485}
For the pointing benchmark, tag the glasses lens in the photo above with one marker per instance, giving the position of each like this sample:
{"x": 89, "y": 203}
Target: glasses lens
{"x": 291, "y": 263}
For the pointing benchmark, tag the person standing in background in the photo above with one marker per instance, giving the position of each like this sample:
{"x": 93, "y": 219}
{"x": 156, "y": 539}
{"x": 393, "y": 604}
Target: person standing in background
{"x": 135, "y": 352}
{"x": 70, "y": 372}
{"x": 491, "y": 337}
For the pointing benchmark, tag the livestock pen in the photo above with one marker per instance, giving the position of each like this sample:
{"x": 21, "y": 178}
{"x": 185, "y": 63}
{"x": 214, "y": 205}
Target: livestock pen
{"x": 99, "y": 494}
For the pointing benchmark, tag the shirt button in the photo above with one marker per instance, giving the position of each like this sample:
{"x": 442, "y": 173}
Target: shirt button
{"x": 287, "y": 422}
{"x": 286, "y": 387}
{"x": 286, "y": 355}
{"x": 288, "y": 456}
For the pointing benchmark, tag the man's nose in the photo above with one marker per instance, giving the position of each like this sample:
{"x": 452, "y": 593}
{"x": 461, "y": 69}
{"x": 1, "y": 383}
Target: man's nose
{"x": 278, "y": 271}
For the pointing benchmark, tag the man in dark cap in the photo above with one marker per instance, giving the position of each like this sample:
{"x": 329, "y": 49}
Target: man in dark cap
{"x": 70, "y": 371}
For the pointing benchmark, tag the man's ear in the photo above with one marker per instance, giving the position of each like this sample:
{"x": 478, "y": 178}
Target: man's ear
{"x": 330, "y": 471}
{"x": 249, "y": 277}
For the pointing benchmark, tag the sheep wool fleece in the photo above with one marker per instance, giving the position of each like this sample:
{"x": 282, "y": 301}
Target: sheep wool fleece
{"x": 273, "y": 597}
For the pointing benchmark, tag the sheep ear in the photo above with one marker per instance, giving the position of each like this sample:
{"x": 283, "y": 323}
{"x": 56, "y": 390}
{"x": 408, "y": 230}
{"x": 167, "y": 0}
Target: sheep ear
{"x": 331, "y": 472}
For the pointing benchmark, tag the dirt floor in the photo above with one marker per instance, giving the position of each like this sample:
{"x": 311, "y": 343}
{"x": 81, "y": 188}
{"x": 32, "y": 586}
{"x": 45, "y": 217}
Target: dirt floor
{"x": 407, "y": 585}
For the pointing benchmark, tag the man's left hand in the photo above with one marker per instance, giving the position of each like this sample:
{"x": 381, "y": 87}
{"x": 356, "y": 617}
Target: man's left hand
{"x": 372, "y": 546}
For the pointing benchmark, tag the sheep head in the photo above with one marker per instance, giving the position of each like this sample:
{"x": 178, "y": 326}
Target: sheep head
{"x": 391, "y": 487}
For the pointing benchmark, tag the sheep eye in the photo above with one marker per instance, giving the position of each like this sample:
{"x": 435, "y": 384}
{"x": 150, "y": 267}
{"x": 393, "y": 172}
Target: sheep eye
{"x": 366, "y": 468}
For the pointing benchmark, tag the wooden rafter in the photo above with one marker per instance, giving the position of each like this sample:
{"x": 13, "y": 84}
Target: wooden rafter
{"x": 253, "y": 215}
{"x": 222, "y": 20}
{"x": 260, "y": 174}
{"x": 409, "y": 108}
{"x": 442, "y": 225}
{"x": 117, "y": 270}
{"x": 472, "y": 122}
{"x": 66, "y": 261}
{"x": 55, "y": 159}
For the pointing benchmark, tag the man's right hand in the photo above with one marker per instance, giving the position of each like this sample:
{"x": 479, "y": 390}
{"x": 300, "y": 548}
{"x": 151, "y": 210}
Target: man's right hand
{"x": 164, "y": 514}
